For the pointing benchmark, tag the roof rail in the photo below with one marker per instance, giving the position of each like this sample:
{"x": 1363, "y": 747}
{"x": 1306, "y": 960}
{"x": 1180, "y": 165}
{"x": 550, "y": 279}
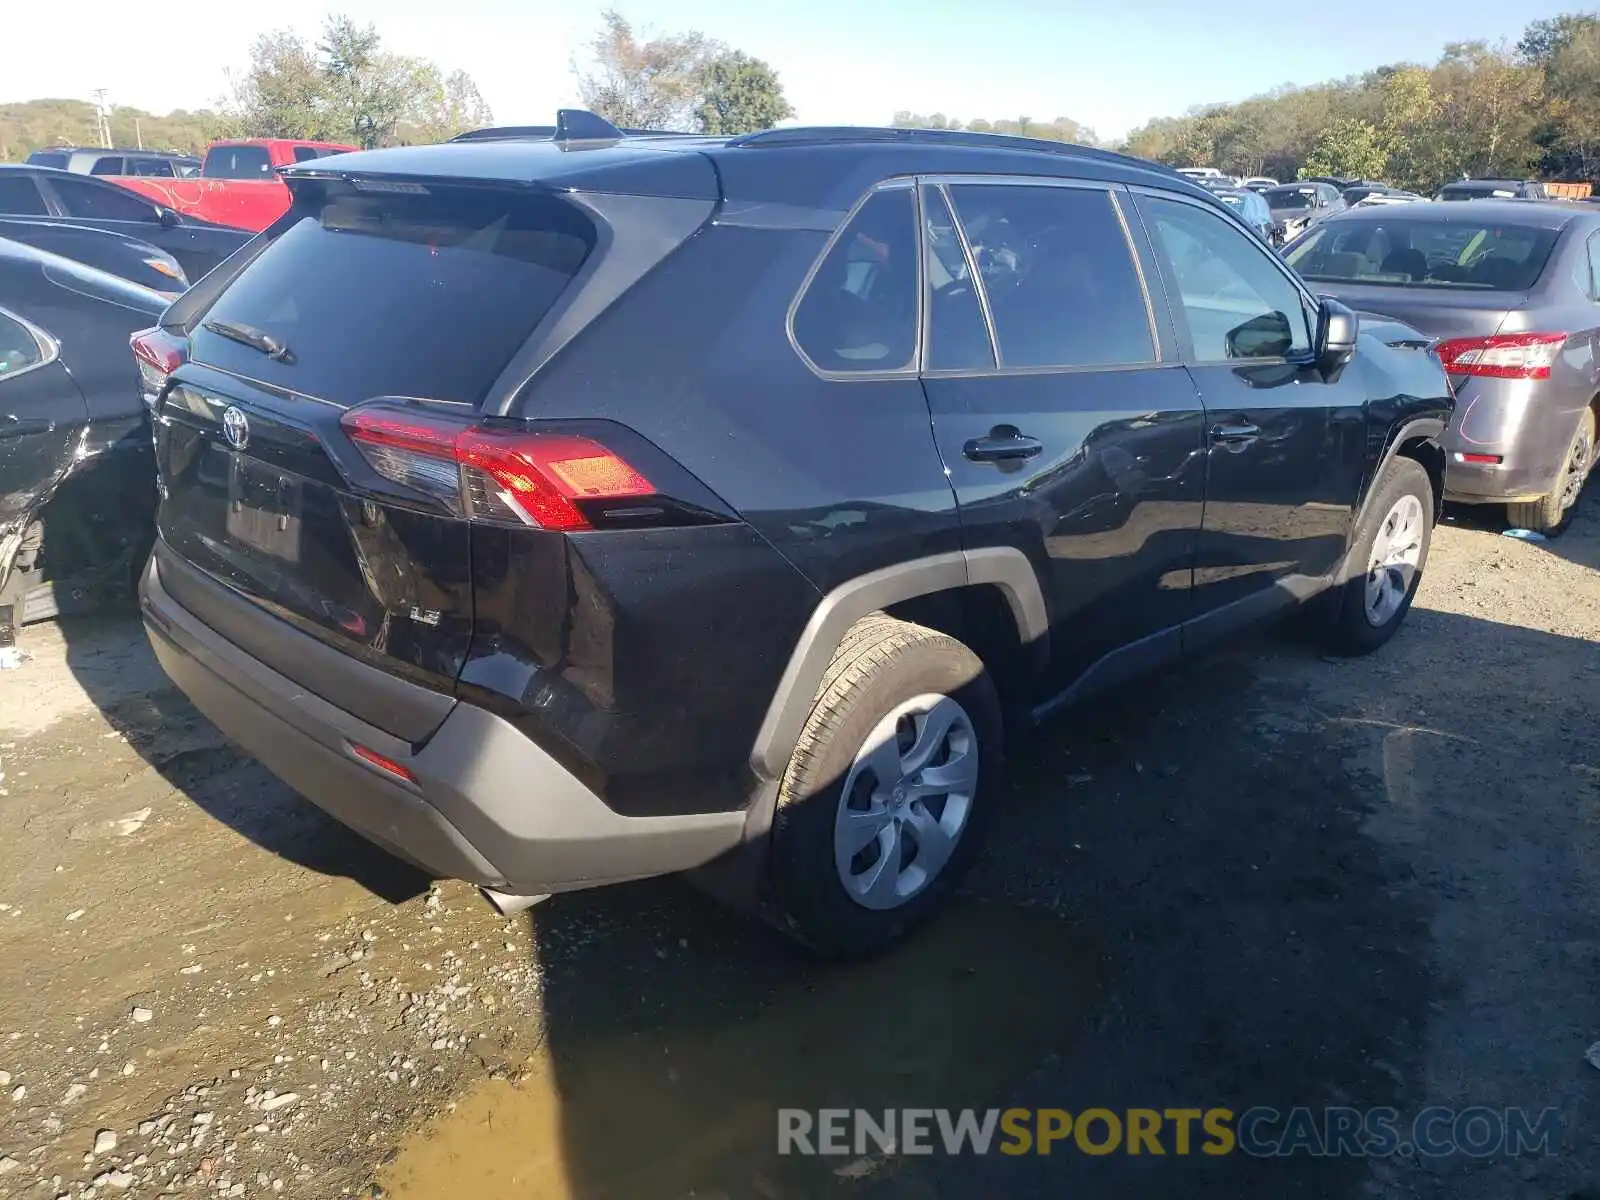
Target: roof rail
{"x": 572, "y": 125}
{"x": 822, "y": 134}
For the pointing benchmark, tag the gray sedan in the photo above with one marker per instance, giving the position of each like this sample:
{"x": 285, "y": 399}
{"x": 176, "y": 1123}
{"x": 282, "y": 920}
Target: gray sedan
{"x": 1512, "y": 289}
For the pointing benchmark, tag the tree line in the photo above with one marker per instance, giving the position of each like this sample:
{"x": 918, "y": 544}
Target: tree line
{"x": 1480, "y": 110}
{"x": 346, "y": 86}
{"x": 1486, "y": 111}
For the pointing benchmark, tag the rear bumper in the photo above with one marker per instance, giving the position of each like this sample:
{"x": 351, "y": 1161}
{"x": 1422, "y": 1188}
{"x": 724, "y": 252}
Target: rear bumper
{"x": 1527, "y": 424}
{"x": 488, "y": 805}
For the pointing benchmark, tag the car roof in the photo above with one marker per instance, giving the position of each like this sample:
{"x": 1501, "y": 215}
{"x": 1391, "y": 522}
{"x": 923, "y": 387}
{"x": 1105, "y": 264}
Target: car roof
{"x": 1535, "y": 214}
{"x": 675, "y": 164}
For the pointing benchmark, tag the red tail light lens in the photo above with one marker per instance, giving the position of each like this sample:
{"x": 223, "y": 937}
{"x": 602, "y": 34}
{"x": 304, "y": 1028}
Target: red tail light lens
{"x": 1503, "y": 356}
{"x": 508, "y": 476}
{"x": 158, "y": 354}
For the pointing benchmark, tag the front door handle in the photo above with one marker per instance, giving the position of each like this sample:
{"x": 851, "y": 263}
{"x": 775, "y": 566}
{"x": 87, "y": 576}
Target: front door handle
{"x": 1235, "y": 433}
{"x": 1003, "y": 443}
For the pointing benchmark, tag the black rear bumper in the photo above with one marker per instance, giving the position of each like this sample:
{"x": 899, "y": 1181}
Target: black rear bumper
{"x": 487, "y": 804}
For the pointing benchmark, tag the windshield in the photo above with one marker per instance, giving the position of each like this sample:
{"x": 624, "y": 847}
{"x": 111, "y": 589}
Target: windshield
{"x": 237, "y": 162}
{"x": 1480, "y": 191}
{"x": 1420, "y": 252}
{"x": 1291, "y": 197}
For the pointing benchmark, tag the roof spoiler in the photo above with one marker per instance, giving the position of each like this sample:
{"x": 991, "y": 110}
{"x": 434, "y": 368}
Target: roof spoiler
{"x": 572, "y": 125}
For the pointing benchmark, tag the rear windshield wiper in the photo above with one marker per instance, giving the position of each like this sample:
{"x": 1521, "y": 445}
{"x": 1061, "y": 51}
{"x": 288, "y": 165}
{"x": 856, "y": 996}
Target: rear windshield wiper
{"x": 256, "y": 339}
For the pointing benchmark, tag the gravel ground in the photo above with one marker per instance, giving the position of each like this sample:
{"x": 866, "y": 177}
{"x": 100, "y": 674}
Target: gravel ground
{"x": 1270, "y": 878}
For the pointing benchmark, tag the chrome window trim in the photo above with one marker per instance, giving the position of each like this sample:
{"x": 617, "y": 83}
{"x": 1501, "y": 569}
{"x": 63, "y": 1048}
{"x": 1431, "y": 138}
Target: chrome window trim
{"x": 49, "y": 348}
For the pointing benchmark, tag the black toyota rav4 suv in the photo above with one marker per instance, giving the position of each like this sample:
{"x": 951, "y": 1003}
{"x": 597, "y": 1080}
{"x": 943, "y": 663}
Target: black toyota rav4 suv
{"x": 559, "y": 507}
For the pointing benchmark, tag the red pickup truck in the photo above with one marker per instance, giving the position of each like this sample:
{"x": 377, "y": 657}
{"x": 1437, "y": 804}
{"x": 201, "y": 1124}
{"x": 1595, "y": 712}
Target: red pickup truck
{"x": 237, "y": 184}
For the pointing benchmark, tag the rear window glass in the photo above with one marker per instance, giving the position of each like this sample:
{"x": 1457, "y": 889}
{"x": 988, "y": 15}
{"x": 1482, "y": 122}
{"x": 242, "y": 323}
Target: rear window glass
{"x": 1418, "y": 252}
{"x": 1295, "y": 197}
{"x": 48, "y": 158}
{"x": 423, "y": 295}
{"x": 237, "y": 162}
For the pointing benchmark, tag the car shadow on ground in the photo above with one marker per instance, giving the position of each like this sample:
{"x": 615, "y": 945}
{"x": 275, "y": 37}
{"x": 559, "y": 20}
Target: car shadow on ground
{"x": 1180, "y": 906}
{"x": 113, "y": 664}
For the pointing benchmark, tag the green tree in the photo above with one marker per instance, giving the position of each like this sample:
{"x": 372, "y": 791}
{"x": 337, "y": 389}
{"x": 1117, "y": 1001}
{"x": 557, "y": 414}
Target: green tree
{"x": 369, "y": 92}
{"x": 1409, "y": 131}
{"x": 348, "y": 89}
{"x": 283, "y": 93}
{"x": 654, "y": 84}
{"x": 739, "y": 94}
{"x": 1349, "y": 149}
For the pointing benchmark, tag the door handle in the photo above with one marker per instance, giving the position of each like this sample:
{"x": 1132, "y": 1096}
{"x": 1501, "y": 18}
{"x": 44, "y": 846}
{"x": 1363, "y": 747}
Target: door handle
{"x": 1003, "y": 443}
{"x": 1235, "y": 433}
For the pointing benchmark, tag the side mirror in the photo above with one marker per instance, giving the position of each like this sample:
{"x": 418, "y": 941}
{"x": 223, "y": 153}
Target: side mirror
{"x": 1337, "y": 328}
{"x": 168, "y": 217}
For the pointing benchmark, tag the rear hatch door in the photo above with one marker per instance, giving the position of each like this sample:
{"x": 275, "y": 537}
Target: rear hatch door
{"x": 416, "y": 291}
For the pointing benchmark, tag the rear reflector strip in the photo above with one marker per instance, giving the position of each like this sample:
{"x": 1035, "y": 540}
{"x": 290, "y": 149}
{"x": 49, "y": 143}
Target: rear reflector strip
{"x": 1489, "y": 459}
{"x": 387, "y": 765}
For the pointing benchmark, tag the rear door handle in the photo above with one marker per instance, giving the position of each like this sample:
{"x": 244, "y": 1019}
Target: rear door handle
{"x": 1235, "y": 433}
{"x": 1003, "y": 443}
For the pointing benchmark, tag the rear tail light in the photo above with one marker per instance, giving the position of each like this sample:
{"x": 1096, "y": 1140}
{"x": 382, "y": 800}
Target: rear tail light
{"x": 1492, "y": 460}
{"x": 1502, "y": 356}
{"x": 158, "y": 354}
{"x": 509, "y": 476}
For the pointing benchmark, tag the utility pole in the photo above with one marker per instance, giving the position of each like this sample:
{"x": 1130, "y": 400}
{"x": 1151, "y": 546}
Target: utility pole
{"x": 102, "y": 121}
{"x": 138, "y": 135}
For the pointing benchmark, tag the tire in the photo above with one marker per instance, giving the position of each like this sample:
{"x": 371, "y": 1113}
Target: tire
{"x": 883, "y": 667}
{"x": 1551, "y": 514}
{"x": 1355, "y": 625}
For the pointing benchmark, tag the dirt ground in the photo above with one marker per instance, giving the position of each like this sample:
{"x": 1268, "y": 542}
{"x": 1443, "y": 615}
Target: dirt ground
{"x": 1270, "y": 878}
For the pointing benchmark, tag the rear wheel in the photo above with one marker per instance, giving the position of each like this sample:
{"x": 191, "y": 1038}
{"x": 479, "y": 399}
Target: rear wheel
{"x": 883, "y": 802}
{"x": 1550, "y": 514}
{"x": 1391, "y": 549}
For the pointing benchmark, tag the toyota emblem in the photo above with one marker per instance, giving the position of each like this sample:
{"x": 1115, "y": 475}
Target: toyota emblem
{"x": 236, "y": 428}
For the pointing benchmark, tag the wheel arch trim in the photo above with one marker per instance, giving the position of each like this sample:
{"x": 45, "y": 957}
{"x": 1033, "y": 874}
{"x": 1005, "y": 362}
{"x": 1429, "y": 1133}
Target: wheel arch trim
{"x": 1004, "y": 567}
{"x": 1429, "y": 428}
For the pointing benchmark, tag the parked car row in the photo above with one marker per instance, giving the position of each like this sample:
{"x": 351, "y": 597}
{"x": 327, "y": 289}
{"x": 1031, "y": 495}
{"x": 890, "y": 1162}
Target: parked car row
{"x": 1511, "y": 292}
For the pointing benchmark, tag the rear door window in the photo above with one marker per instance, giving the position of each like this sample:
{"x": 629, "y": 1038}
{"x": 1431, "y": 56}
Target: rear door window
{"x": 958, "y": 338}
{"x": 96, "y": 201}
{"x": 107, "y": 165}
{"x": 158, "y": 167}
{"x": 237, "y": 162}
{"x": 1058, "y": 273}
{"x": 19, "y": 196}
{"x": 382, "y": 294}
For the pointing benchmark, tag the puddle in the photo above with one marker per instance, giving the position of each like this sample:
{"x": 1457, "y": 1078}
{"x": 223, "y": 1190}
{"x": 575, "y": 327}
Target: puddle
{"x": 951, "y": 1020}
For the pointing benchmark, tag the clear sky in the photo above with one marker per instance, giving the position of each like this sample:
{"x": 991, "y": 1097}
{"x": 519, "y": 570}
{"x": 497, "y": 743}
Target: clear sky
{"x": 1111, "y": 64}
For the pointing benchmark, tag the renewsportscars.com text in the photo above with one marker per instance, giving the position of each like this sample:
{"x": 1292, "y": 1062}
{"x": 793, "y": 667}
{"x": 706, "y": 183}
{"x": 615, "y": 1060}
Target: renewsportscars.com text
{"x": 1262, "y": 1132}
